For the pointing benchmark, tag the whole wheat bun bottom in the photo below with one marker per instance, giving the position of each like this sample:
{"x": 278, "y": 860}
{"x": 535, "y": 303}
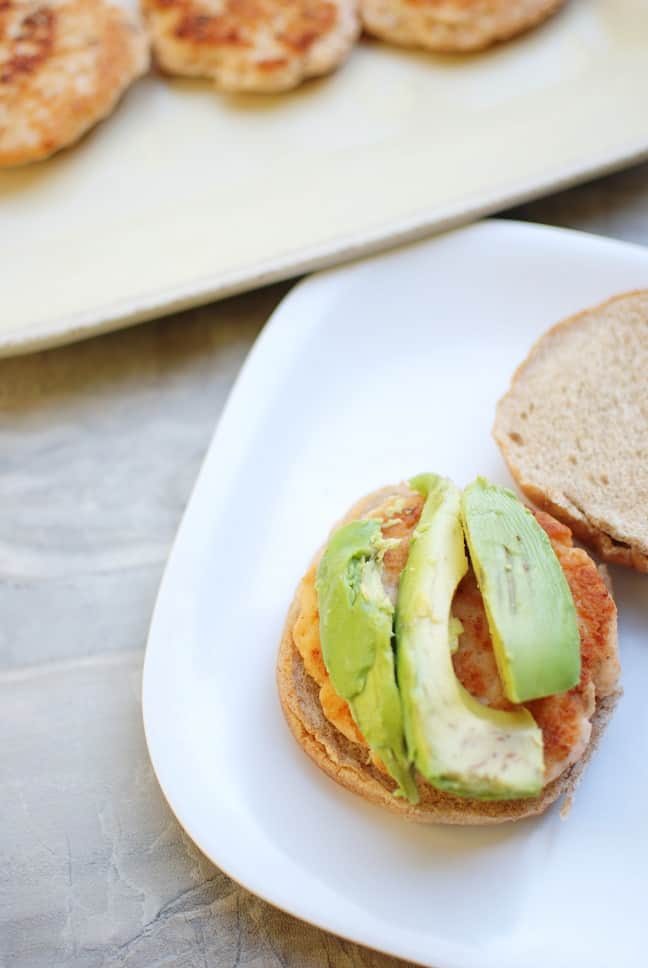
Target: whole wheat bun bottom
{"x": 349, "y": 765}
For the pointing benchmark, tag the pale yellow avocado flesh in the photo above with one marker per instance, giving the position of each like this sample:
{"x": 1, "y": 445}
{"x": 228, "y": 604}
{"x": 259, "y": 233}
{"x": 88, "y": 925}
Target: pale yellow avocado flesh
{"x": 455, "y": 742}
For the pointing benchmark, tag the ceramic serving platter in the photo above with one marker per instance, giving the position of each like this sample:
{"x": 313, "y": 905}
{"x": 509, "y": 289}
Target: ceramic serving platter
{"x": 366, "y": 375}
{"x": 185, "y": 195}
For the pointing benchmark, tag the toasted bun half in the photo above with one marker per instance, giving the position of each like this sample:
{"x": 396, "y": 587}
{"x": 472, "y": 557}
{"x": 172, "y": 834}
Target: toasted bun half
{"x": 573, "y": 427}
{"x": 349, "y": 763}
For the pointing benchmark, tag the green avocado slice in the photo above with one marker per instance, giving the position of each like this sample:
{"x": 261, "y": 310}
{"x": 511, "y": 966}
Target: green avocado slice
{"x": 456, "y": 743}
{"x": 356, "y": 629}
{"x": 529, "y": 605}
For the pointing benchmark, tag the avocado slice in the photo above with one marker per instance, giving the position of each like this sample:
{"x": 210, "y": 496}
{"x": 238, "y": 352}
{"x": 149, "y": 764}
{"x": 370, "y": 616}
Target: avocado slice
{"x": 529, "y": 605}
{"x": 456, "y": 743}
{"x": 356, "y": 630}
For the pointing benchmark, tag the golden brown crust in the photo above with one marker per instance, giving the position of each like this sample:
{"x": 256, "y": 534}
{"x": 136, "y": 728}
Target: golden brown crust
{"x": 251, "y": 45}
{"x": 450, "y": 26}
{"x": 63, "y": 66}
{"x": 350, "y": 765}
{"x": 611, "y": 547}
{"x": 34, "y": 39}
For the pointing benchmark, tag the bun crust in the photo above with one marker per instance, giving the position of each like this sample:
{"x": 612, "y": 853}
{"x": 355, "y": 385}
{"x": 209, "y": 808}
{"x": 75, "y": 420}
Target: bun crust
{"x": 349, "y": 765}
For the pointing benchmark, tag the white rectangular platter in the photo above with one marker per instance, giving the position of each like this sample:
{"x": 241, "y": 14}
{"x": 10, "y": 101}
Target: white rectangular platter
{"x": 364, "y": 376}
{"x": 185, "y": 195}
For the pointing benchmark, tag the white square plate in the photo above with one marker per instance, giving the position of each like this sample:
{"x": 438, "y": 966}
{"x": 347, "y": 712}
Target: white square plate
{"x": 185, "y": 195}
{"x": 365, "y": 376}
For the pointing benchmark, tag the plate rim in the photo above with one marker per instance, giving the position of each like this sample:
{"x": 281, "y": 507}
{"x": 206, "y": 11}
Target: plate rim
{"x": 452, "y": 954}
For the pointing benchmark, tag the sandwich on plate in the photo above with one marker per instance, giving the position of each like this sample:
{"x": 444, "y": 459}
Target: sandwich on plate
{"x": 450, "y": 655}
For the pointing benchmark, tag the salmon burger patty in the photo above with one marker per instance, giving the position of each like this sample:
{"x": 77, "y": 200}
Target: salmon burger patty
{"x": 565, "y": 719}
{"x": 63, "y": 66}
{"x": 252, "y": 45}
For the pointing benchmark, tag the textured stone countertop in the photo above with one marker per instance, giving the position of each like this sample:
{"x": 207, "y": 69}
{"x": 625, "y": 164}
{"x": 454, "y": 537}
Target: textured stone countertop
{"x": 100, "y": 443}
